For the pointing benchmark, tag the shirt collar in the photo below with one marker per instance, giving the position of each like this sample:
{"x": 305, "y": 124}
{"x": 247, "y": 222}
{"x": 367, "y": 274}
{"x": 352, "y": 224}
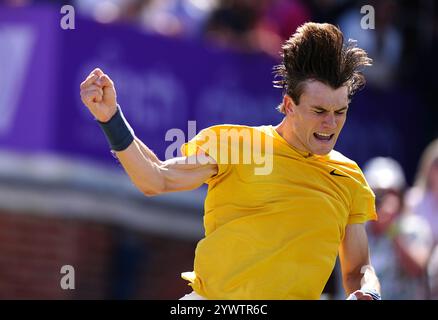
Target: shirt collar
{"x": 303, "y": 154}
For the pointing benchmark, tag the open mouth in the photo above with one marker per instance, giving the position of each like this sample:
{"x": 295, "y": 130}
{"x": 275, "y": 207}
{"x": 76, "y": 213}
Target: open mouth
{"x": 323, "y": 136}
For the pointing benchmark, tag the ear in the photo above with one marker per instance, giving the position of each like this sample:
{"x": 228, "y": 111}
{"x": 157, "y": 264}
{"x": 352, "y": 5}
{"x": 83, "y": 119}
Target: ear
{"x": 289, "y": 105}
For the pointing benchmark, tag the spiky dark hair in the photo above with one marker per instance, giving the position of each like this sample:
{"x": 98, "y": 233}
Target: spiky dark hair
{"x": 316, "y": 51}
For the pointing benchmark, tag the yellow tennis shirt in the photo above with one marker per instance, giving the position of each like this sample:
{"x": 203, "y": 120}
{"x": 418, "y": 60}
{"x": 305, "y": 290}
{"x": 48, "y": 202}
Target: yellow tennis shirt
{"x": 274, "y": 216}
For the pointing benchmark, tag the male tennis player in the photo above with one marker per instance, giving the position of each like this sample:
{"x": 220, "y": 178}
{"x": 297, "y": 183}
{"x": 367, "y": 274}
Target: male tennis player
{"x": 272, "y": 234}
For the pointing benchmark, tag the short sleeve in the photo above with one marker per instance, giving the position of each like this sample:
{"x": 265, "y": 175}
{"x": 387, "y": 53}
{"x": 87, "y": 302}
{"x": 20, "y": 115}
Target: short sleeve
{"x": 363, "y": 207}
{"x": 208, "y": 140}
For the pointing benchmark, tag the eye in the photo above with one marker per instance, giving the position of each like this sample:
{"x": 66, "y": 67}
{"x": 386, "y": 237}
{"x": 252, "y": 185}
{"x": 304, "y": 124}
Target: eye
{"x": 319, "y": 111}
{"x": 340, "y": 112}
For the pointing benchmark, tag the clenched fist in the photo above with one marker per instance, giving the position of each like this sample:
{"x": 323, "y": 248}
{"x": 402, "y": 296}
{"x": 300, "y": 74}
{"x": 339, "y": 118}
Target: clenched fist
{"x": 99, "y": 95}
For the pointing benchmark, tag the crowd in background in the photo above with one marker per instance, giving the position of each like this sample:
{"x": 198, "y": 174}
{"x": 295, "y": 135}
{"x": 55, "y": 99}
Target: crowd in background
{"x": 402, "y": 44}
{"x": 404, "y": 241}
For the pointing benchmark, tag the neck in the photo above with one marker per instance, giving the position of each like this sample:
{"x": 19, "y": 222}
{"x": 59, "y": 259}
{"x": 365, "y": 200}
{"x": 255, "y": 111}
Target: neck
{"x": 284, "y": 129}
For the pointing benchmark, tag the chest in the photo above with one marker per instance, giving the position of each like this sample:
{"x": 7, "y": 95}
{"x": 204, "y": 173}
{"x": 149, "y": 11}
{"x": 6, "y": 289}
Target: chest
{"x": 294, "y": 180}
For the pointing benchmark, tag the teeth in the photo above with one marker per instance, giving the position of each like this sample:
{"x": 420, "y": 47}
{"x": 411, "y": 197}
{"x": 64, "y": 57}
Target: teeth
{"x": 323, "y": 134}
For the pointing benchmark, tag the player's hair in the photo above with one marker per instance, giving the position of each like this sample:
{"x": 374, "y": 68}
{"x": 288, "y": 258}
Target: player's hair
{"x": 316, "y": 51}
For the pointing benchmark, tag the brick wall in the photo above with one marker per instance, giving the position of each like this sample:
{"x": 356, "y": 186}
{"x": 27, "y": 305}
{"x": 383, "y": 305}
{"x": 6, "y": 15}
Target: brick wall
{"x": 109, "y": 261}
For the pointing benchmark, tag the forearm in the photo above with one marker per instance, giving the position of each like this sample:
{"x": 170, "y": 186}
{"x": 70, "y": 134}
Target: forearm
{"x": 150, "y": 175}
{"x": 352, "y": 283}
{"x": 139, "y": 162}
{"x": 143, "y": 167}
{"x": 359, "y": 278}
{"x": 148, "y": 153}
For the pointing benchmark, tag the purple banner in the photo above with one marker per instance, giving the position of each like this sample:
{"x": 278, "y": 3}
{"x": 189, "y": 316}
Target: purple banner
{"x": 161, "y": 84}
{"x": 27, "y": 72}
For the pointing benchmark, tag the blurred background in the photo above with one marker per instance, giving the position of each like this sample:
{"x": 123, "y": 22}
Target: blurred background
{"x": 65, "y": 200}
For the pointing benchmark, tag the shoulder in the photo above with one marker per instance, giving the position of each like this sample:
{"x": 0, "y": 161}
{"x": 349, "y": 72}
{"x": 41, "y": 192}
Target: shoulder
{"x": 362, "y": 196}
{"x": 235, "y": 127}
{"x": 345, "y": 164}
{"x": 338, "y": 158}
{"x": 225, "y": 131}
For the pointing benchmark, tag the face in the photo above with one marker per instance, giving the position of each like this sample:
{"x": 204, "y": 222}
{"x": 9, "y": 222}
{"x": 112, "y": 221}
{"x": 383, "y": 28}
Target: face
{"x": 388, "y": 206}
{"x": 318, "y": 119}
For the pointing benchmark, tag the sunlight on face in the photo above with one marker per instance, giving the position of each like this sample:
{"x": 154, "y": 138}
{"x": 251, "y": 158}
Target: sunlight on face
{"x": 319, "y": 118}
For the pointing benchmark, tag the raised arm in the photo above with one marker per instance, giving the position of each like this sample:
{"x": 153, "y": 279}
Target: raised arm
{"x": 152, "y": 176}
{"x": 148, "y": 173}
{"x": 359, "y": 277}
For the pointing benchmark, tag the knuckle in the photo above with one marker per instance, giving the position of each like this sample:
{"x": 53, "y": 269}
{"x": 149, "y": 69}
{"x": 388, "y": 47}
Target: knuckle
{"x": 90, "y": 97}
{"x": 108, "y": 79}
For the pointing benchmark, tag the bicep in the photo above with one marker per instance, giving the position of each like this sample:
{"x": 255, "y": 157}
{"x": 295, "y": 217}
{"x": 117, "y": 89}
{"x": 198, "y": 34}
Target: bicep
{"x": 187, "y": 173}
{"x": 354, "y": 251}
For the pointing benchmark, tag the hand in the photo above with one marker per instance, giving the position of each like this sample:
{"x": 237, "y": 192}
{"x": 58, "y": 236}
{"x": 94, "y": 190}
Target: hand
{"x": 359, "y": 295}
{"x": 99, "y": 95}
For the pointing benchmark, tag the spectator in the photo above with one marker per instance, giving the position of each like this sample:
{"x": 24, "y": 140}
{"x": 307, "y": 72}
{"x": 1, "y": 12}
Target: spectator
{"x": 432, "y": 274}
{"x": 423, "y": 197}
{"x": 231, "y": 24}
{"x": 384, "y": 44}
{"x": 279, "y": 19}
{"x": 400, "y": 243}
{"x": 423, "y": 201}
{"x": 109, "y": 11}
{"x": 328, "y": 10}
{"x": 181, "y": 18}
